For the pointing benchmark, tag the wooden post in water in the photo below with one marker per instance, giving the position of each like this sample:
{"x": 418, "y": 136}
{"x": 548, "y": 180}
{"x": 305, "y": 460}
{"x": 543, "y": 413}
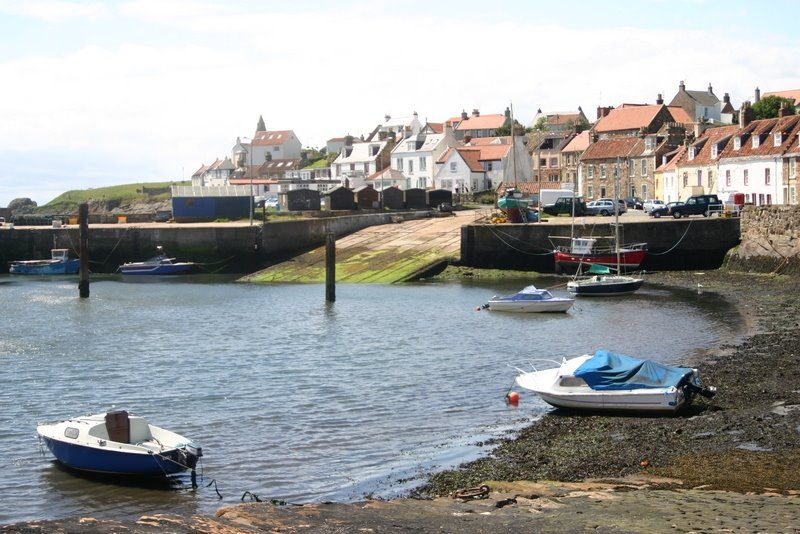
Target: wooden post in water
{"x": 330, "y": 267}
{"x": 83, "y": 220}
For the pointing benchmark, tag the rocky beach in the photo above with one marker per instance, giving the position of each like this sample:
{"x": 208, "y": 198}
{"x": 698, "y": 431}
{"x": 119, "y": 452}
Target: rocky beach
{"x": 727, "y": 465}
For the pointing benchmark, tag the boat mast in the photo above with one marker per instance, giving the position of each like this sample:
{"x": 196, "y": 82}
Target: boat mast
{"x": 616, "y": 216}
{"x": 513, "y": 145}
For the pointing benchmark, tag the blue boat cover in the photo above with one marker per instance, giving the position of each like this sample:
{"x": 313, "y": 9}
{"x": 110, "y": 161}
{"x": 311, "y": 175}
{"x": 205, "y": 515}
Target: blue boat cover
{"x": 609, "y": 371}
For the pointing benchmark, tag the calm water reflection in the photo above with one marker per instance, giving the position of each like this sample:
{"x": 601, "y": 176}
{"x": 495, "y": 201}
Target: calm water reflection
{"x": 290, "y": 397}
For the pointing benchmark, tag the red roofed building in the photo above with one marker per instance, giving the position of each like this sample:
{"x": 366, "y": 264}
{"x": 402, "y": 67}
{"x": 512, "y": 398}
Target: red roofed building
{"x": 468, "y": 127}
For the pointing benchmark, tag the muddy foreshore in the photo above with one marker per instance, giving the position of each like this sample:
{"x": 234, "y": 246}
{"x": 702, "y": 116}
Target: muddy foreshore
{"x": 729, "y": 464}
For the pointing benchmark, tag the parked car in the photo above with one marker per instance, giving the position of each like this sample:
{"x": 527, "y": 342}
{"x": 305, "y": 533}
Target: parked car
{"x": 664, "y": 210}
{"x": 622, "y": 207}
{"x": 564, "y": 206}
{"x": 704, "y": 205}
{"x": 652, "y": 203}
{"x": 634, "y": 203}
{"x": 600, "y": 207}
{"x": 271, "y": 202}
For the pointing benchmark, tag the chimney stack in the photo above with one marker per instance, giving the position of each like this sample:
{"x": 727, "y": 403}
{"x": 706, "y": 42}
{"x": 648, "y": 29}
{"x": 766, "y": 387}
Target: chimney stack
{"x": 710, "y": 90}
{"x": 745, "y": 115}
{"x": 726, "y": 98}
{"x": 464, "y": 115}
{"x": 659, "y": 100}
{"x": 476, "y": 113}
{"x": 758, "y": 94}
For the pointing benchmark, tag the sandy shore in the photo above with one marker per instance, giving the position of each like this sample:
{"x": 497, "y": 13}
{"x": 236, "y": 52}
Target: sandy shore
{"x": 728, "y": 465}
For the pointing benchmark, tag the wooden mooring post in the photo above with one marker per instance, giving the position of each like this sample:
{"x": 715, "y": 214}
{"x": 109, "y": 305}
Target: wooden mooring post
{"x": 330, "y": 268}
{"x": 83, "y": 221}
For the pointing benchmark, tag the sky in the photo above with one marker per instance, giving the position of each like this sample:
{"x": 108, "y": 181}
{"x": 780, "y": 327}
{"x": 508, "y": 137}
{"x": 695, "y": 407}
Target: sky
{"x": 100, "y": 93}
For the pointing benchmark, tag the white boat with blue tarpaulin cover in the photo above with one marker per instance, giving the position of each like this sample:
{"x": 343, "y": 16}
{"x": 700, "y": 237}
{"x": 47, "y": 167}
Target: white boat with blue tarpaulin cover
{"x": 609, "y": 381}
{"x": 116, "y": 443}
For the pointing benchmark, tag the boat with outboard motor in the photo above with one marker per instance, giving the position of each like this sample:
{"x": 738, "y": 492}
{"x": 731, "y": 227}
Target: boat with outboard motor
{"x": 530, "y": 299}
{"x": 610, "y": 381}
{"x": 117, "y": 443}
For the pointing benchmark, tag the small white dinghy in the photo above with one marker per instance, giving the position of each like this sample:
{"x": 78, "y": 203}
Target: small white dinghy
{"x": 116, "y": 443}
{"x": 608, "y": 381}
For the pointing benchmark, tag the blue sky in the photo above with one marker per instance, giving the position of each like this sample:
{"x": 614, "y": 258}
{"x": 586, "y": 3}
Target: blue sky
{"x": 100, "y": 93}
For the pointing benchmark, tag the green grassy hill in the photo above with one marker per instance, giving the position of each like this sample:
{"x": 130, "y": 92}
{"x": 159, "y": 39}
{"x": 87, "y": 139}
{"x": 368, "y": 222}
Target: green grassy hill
{"x": 112, "y": 196}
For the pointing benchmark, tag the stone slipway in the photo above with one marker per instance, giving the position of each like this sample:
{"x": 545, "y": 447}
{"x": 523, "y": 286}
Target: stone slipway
{"x": 385, "y": 254}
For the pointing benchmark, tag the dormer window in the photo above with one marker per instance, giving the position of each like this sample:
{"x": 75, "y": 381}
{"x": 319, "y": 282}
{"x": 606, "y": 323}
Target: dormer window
{"x": 777, "y": 138}
{"x": 756, "y": 141}
{"x": 692, "y": 151}
{"x": 714, "y": 151}
{"x": 411, "y": 146}
{"x": 737, "y": 143}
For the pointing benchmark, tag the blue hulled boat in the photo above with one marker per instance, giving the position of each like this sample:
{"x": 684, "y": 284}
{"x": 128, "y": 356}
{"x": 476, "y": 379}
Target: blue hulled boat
{"x": 59, "y": 263}
{"x": 116, "y": 443}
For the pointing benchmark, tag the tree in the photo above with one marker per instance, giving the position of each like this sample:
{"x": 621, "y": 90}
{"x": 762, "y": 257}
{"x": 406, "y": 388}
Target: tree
{"x": 769, "y": 106}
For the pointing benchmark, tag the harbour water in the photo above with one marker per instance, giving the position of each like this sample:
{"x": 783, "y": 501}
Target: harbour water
{"x": 293, "y": 398}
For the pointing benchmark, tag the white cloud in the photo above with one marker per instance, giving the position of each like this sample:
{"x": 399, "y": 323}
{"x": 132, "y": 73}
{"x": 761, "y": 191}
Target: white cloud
{"x": 161, "y": 87}
{"x": 55, "y": 10}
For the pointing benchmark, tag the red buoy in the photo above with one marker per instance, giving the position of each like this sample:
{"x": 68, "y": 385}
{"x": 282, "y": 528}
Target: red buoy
{"x": 512, "y": 398}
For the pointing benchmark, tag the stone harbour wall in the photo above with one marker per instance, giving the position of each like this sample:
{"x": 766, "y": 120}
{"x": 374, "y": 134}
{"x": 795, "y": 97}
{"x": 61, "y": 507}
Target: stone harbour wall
{"x": 770, "y": 241}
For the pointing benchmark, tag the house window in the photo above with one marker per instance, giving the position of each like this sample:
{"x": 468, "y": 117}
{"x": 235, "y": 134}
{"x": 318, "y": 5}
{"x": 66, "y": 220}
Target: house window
{"x": 400, "y": 164}
{"x": 644, "y": 167}
{"x": 554, "y": 162}
{"x": 453, "y": 166}
{"x": 590, "y": 170}
{"x": 590, "y": 191}
{"x": 603, "y": 171}
{"x": 699, "y": 177}
{"x": 602, "y": 192}
{"x": 542, "y": 162}
{"x": 728, "y": 178}
{"x": 489, "y": 165}
{"x": 710, "y": 178}
{"x": 792, "y": 167}
{"x": 767, "y": 177}
{"x": 769, "y": 199}
{"x": 714, "y": 151}
{"x": 631, "y": 167}
{"x": 756, "y": 141}
{"x": 686, "y": 179}
{"x": 778, "y": 138}
{"x": 352, "y": 166}
{"x": 737, "y": 143}
{"x": 746, "y": 177}
{"x": 644, "y": 191}
{"x": 691, "y": 153}
{"x": 423, "y": 163}
{"x": 411, "y": 166}
{"x": 411, "y": 146}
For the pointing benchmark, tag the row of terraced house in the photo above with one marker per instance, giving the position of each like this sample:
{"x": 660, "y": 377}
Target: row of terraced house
{"x": 695, "y": 144}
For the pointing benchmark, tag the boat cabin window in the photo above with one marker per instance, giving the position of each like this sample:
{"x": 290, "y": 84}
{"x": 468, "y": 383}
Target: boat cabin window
{"x": 71, "y": 432}
{"x": 571, "y": 382}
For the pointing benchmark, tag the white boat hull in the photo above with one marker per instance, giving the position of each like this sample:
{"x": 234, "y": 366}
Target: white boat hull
{"x": 558, "y": 387}
{"x": 548, "y": 306}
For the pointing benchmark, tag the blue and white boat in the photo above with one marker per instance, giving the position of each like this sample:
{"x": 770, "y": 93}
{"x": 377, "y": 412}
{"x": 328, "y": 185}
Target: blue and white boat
{"x": 159, "y": 265}
{"x": 609, "y": 381}
{"x": 117, "y": 443}
{"x": 530, "y": 299}
{"x": 59, "y": 263}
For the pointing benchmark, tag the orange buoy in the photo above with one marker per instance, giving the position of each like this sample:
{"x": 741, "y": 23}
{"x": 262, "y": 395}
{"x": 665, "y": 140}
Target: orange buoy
{"x": 512, "y": 398}
{"x": 644, "y": 463}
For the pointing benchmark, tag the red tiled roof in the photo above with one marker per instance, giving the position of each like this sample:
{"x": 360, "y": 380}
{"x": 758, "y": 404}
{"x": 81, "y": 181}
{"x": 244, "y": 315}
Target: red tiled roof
{"x": 794, "y": 93}
{"x": 482, "y": 122}
{"x": 627, "y": 118}
{"x": 472, "y": 157}
{"x": 680, "y": 115}
{"x": 764, "y": 129}
{"x": 704, "y": 143}
{"x": 672, "y": 163}
{"x": 272, "y": 138}
{"x": 614, "y": 147}
{"x": 579, "y": 143}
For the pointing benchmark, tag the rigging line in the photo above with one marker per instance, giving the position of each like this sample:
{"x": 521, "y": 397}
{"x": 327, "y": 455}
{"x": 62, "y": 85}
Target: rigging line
{"x": 673, "y": 247}
{"x": 509, "y": 245}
